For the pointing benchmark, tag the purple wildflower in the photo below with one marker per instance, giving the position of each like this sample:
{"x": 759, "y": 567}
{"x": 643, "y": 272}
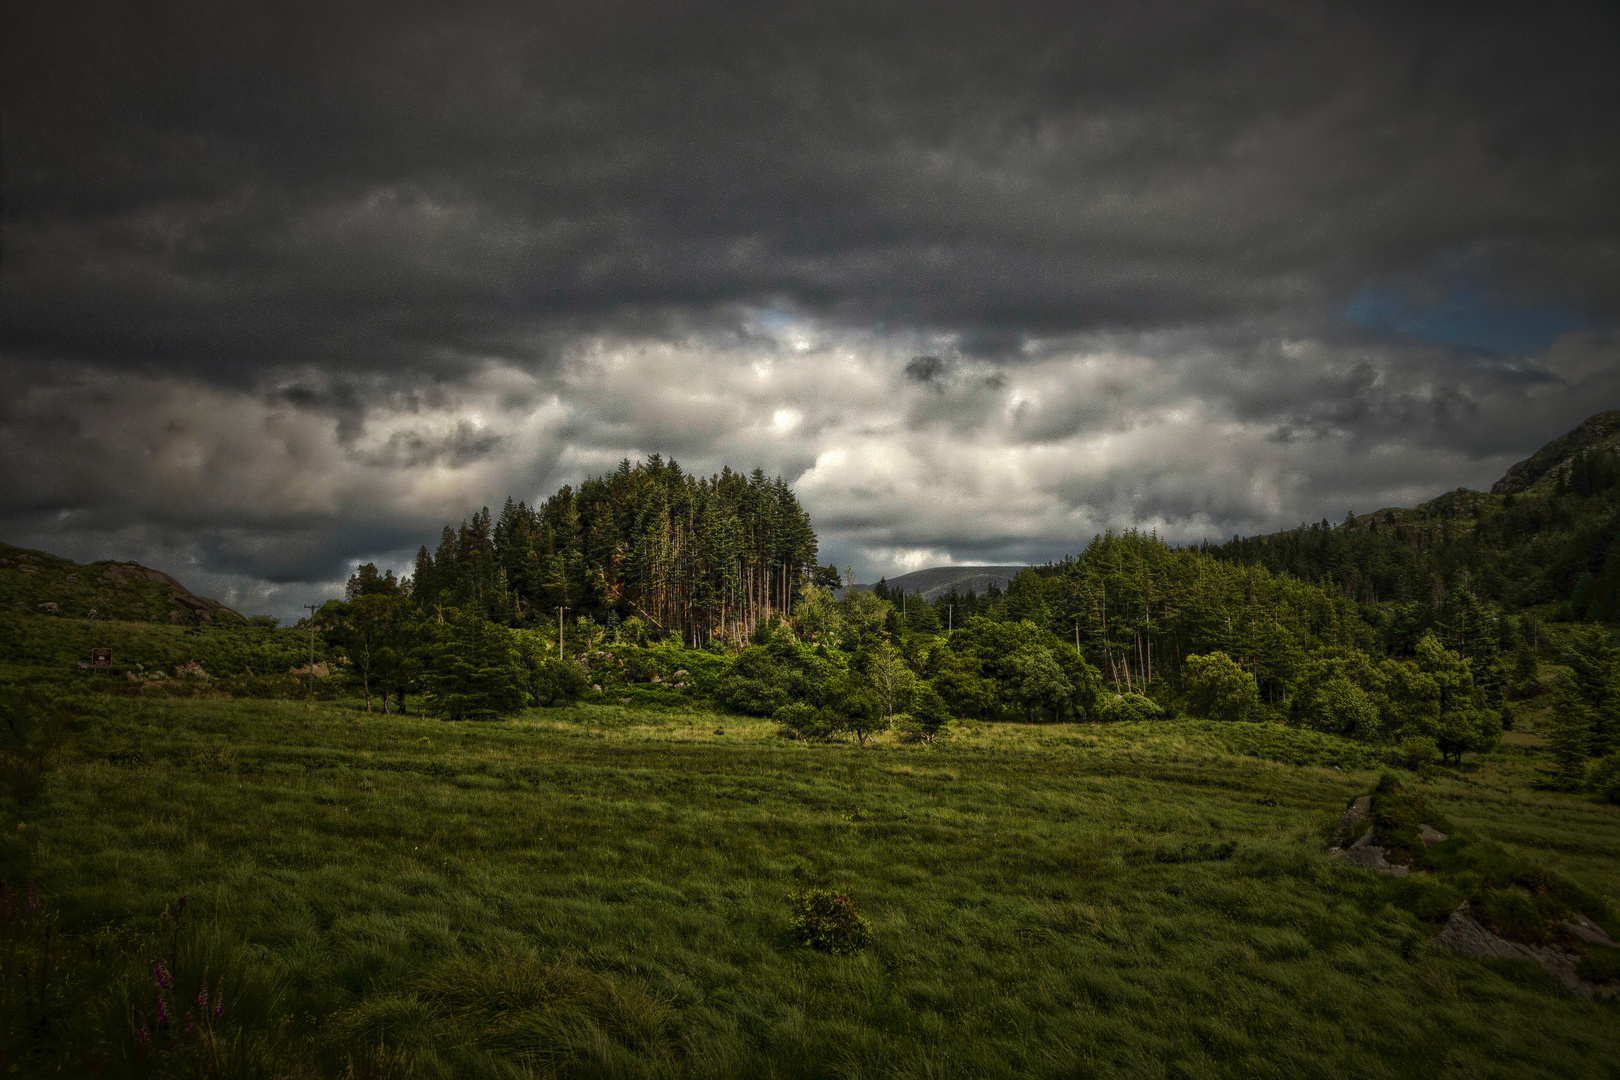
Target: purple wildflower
{"x": 163, "y": 1013}
{"x": 219, "y": 999}
{"x": 160, "y": 972}
{"x": 143, "y": 1036}
{"x": 202, "y": 995}
{"x": 189, "y": 1023}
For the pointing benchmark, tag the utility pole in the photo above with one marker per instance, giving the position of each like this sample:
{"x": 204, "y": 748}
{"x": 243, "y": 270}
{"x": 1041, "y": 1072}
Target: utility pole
{"x": 559, "y": 633}
{"x": 312, "y": 609}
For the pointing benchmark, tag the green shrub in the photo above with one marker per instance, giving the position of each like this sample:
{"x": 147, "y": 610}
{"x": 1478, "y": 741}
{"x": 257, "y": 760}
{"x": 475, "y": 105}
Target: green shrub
{"x": 915, "y": 729}
{"x": 1602, "y": 964}
{"x": 555, "y": 681}
{"x": 1219, "y": 689}
{"x": 803, "y": 721}
{"x": 34, "y": 726}
{"x": 1127, "y": 707}
{"x": 1416, "y": 752}
{"x": 828, "y": 921}
{"x": 1516, "y": 914}
{"x": 1603, "y": 777}
{"x": 1427, "y": 896}
{"x": 1397, "y": 813}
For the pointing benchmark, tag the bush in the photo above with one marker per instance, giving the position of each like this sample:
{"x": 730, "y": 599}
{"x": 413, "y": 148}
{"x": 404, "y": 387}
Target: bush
{"x": 828, "y": 921}
{"x": 1416, "y": 752}
{"x": 1603, "y": 777}
{"x": 1122, "y": 707}
{"x": 34, "y": 726}
{"x": 1516, "y": 914}
{"x": 556, "y": 682}
{"x": 1217, "y": 688}
{"x": 1397, "y": 813}
{"x": 1602, "y": 964}
{"x": 927, "y": 718}
{"x": 806, "y": 722}
{"x": 912, "y": 728}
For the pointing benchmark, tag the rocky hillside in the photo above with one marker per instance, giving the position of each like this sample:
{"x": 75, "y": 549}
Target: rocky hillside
{"x": 1536, "y": 475}
{"x": 1543, "y": 468}
{"x": 44, "y": 584}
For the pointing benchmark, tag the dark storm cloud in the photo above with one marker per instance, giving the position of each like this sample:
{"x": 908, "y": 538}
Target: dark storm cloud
{"x": 233, "y": 187}
{"x": 293, "y": 266}
{"x": 926, "y": 370}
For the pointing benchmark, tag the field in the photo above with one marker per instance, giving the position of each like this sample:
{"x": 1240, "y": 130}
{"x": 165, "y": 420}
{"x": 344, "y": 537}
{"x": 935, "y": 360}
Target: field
{"x": 600, "y": 892}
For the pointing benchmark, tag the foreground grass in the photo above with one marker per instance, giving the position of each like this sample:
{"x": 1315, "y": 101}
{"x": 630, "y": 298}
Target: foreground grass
{"x": 603, "y": 892}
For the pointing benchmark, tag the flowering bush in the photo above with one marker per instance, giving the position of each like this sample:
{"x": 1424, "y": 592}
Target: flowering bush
{"x": 828, "y": 921}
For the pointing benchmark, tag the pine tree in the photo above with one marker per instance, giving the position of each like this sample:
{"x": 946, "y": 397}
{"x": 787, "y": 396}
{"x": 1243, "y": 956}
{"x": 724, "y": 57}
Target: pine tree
{"x": 1570, "y": 737}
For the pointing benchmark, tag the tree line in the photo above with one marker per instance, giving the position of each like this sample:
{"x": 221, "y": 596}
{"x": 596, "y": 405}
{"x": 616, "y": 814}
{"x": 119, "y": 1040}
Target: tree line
{"x": 676, "y": 589}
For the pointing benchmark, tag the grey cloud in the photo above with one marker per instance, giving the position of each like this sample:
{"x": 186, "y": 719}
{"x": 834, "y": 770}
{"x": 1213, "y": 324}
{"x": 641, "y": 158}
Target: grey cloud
{"x": 925, "y": 370}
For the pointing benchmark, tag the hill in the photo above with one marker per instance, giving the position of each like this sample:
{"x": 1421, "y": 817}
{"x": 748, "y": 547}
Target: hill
{"x": 1546, "y": 536}
{"x": 1596, "y": 434}
{"x": 43, "y": 584}
{"x": 936, "y": 581}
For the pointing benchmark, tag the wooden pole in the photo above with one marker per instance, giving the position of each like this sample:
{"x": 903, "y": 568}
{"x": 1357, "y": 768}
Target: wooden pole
{"x": 311, "y": 608}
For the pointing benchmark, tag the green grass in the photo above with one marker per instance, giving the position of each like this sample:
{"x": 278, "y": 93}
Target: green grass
{"x": 601, "y": 891}
{"x": 41, "y": 648}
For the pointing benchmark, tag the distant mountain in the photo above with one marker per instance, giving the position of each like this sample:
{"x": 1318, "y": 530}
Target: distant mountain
{"x": 44, "y": 584}
{"x": 936, "y": 581}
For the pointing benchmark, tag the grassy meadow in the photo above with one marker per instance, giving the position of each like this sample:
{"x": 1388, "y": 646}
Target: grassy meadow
{"x": 602, "y": 892}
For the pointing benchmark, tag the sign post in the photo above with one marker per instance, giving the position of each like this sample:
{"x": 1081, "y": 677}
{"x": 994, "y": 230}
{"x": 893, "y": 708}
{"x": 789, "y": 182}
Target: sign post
{"x": 100, "y": 659}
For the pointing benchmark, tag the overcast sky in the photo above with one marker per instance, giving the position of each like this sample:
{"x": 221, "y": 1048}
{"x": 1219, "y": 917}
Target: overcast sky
{"x": 285, "y": 289}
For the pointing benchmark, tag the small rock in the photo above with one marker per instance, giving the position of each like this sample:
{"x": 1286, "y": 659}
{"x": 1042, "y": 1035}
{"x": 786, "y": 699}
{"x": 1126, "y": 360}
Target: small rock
{"x": 680, "y": 672}
{"x": 1430, "y": 835}
{"x": 4, "y": 563}
{"x": 598, "y": 689}
{"x": 1370, "y": 857}
{"x": 73, "y": 579}
{"x": 48, "y": 607}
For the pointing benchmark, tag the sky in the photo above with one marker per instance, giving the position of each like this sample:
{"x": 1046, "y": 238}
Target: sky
{"x": 287, "y": 287}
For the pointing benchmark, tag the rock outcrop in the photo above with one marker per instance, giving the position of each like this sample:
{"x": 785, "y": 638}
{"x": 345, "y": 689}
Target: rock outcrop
{"x": 1465, "y": 934}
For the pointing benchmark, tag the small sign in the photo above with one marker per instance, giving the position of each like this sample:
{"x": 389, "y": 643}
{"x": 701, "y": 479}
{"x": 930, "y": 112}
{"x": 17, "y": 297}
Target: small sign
{"x": 100, "y": 658}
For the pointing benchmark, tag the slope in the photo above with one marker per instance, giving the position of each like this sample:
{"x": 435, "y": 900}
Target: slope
{"x": 1547, "y": 536}
{"x": 45, "y": 584}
